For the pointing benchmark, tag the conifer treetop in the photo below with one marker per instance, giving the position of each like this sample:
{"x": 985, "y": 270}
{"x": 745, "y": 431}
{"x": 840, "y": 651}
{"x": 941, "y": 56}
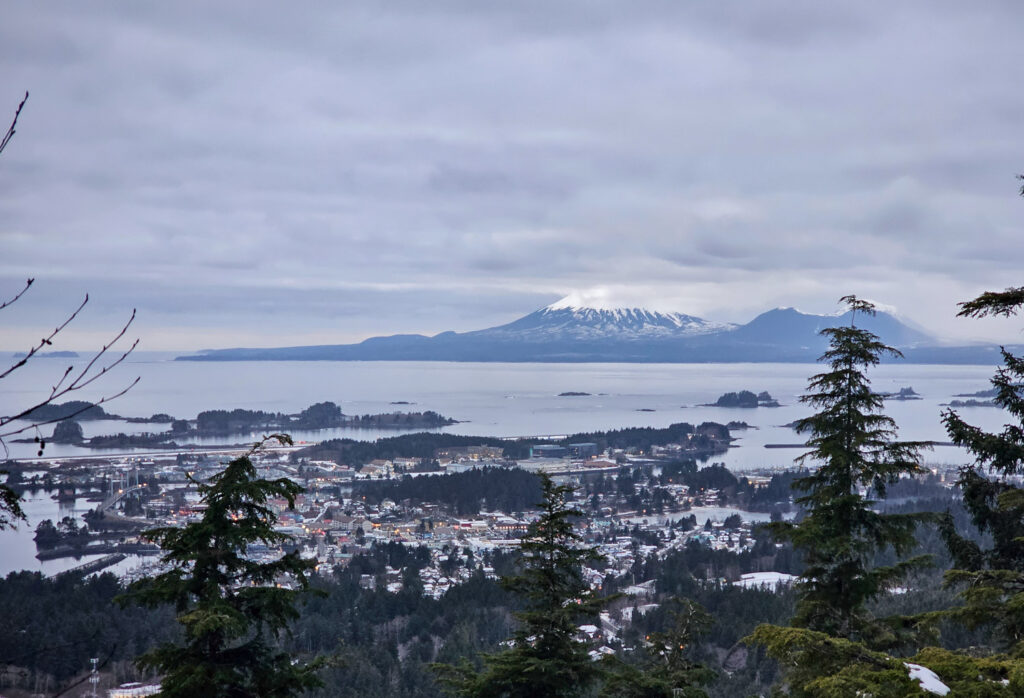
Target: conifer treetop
{"x": 854, "y": 448}
{"x": 991, "y": 579}
{"x": 233, "y": 608}
{"x": 545, "y": 657}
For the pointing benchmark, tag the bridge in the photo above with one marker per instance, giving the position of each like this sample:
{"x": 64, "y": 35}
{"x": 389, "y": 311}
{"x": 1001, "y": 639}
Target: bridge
{"x": 117, "y": 497}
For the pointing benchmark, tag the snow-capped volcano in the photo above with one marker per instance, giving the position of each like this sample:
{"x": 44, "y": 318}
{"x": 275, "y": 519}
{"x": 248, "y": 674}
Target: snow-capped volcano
{"x": 591, "y": 327}
{"x": 565, "y": 320}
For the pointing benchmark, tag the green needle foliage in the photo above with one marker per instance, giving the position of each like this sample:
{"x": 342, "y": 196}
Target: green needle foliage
{"x": 855, "y": 445}
{"x": 232, "y": 609}
{"x": 545, "y": 657}
{"x": 10, "y": 506}
{"x": 844, "y": 659}
{"x": 993, "y": 578}
{"x": 667, "y": 670}
{"x": 821, "y": 666}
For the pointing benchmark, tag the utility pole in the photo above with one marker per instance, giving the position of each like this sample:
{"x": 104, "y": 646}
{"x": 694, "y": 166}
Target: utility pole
{"x": 94, "y": 678}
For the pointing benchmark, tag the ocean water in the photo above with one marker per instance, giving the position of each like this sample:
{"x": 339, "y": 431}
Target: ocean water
{"x": 500, "y": 399}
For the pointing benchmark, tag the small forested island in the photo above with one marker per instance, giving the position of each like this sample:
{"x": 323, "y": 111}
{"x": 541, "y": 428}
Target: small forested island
{"x": 159, "y": 418}
{"x": 907, "y": 393}
{"x": 401, "y": 420}
{"x": 745, "y": 399}
{"x": 988, "y": 392}
{"x": 49, "y": 355}
{"x": 87, "y": 411}
{"x": 573, "y": 393}
{"x": 706, "y": 439}
{"x": 67, "y": 432}
{"x": 322, "y": 415}
{"x": 970, "y": 403}
{"x": 241, "y": 423}
{"x": 79, "y": 409}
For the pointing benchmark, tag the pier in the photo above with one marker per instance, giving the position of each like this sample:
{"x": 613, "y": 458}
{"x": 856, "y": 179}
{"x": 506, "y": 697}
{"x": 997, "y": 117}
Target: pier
{"x": 95, "y": 565}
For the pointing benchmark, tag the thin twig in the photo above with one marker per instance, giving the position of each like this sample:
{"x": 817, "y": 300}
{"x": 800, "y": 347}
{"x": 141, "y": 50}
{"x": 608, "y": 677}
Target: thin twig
{"x": 100, "y": 353}
{"x": 10, "y": 131}
{"x": 91, "y": 404}
{"x": 47, "y": 341}
{"x": 83, "y": 378}
{"x": 20, "y": 294}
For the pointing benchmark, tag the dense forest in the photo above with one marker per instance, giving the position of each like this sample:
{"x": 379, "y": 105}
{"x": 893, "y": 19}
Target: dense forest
{"x": 705, "y": 439}
{"x": 383, "y": 643}
{"x": 491, "y": 489}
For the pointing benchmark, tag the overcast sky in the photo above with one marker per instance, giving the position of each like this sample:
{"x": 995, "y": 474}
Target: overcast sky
{"x": 250, "y": 174}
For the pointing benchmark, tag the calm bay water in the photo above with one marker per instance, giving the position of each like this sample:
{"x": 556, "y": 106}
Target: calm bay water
{"x": 506, "y": 399}
{"x": 500, "y": 399}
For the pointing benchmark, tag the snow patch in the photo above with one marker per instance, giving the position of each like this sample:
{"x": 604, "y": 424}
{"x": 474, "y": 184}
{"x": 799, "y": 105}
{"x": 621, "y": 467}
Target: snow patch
{"x": 928, "y": 679}
{"x": 768, "y": 580}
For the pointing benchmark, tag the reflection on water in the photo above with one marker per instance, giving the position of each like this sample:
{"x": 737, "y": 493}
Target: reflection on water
{"x": 19, "y": 549}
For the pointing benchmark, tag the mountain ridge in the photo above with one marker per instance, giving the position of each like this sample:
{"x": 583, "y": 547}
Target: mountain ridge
{"x": 564, "y": 332}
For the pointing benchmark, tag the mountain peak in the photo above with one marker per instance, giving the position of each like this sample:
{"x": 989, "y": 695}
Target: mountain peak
{"x": 607, "y": 299}
{"x": 595, "y": 317}
{"x": 593, "y": 299}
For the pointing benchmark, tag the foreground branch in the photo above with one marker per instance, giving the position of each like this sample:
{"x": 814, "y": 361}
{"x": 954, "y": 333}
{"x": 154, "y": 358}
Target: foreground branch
{"x": 10, "y": 131}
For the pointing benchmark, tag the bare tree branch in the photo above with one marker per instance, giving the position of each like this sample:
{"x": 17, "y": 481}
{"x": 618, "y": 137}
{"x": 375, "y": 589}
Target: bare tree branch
{"x": 10, "y": 131}
{"x": 20, "y": 294}
{"x": 83, "y": 378}
{"x": 45, "y": 341}
{"x": 92, "y": 403}
{"x": 69, "y": 382}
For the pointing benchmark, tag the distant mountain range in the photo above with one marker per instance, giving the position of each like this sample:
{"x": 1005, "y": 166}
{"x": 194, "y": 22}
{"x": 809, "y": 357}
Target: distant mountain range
{"x": 570, "y": 333}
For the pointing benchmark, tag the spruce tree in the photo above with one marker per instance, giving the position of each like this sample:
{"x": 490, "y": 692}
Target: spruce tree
{"x": 993, "y": 578}
{"x": 832, "y": 648}
{"x": 545, "y": 658}
{"x": 666, "y": 669}
{"x": 233, "y": 608}
{"x": 822, "y": 664}
{"x": 853, "y": 444}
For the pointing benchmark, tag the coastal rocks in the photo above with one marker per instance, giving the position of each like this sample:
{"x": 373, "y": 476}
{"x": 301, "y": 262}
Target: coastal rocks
{"x": 745, "y": 399}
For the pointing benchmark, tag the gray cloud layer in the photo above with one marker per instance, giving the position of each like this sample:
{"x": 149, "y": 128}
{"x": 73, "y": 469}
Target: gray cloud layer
{"x": 246, "y": 174}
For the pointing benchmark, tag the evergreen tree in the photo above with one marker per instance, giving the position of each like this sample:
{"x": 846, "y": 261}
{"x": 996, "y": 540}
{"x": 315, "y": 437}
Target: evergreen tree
{"x": 231, "y": 607}
{"x": 832, "y": 648}
{"x": 993, "y": 578}
{"x": 822, "y": 664}
{"x": 545, "y": 657}
{"x": 855, "y": 447}
{"x": 667, "y": 671}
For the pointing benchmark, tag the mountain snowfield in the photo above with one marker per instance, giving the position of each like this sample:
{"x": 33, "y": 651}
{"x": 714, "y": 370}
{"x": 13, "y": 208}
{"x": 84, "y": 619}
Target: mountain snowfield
{"x": 568, "y": 321}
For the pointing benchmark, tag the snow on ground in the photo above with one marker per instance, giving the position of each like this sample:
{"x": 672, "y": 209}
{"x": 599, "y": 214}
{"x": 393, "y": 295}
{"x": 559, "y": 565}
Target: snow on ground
{"x": 769, "y": 580}
{"x": 928, "y": 679}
